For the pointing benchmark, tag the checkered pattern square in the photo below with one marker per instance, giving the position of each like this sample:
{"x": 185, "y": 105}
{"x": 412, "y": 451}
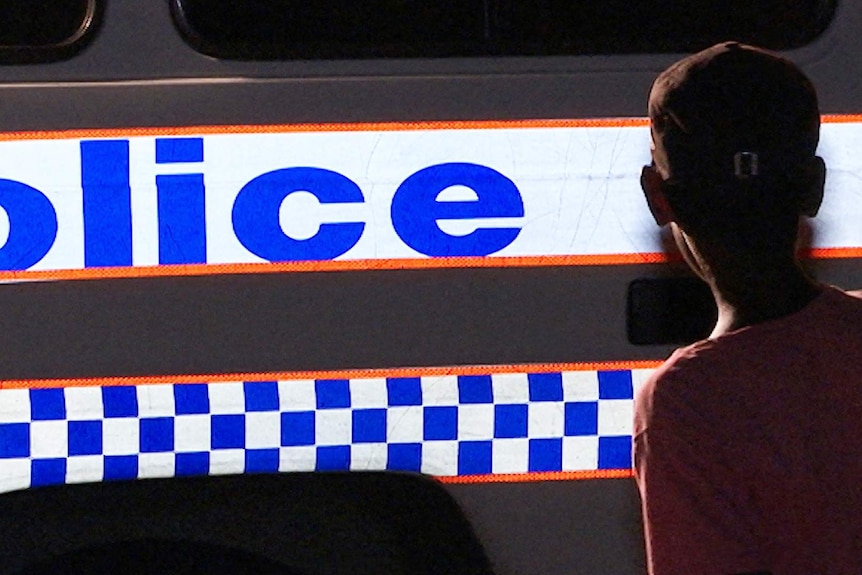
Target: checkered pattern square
{"x": 440, "y": 425}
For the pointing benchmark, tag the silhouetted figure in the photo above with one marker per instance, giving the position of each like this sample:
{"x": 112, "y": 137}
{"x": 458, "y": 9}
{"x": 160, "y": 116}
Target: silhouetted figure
{"x": 746, "y": 443}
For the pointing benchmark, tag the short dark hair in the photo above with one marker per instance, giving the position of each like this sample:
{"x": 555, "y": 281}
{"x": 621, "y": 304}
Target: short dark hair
{"x": 731, "y": 127}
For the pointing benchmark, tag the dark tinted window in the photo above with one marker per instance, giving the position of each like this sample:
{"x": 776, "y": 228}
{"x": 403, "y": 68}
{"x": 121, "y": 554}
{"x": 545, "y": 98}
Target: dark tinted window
{"x": 333, "y": 28}
{"x": 632, "y": 26}
{"x": 272, "y": 29}
{"x": 42, "y": 30}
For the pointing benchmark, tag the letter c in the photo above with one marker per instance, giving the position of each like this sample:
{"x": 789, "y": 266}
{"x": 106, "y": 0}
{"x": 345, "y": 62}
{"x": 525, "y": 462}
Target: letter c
{"x": 257, "y": 226}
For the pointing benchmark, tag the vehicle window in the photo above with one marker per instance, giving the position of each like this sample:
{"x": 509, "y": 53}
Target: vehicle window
{"x": 45, "y": 30}
{"x": 643, "y": 26}
{"x": 265, "y": 29}
{"x": 286, "y": 29}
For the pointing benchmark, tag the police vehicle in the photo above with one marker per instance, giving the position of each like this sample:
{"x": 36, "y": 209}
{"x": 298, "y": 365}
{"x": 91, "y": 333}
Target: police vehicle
{"x": 351, "y": 287}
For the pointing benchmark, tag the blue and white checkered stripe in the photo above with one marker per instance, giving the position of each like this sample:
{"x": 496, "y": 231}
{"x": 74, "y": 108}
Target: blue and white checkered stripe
{"x": 440, "y": 425}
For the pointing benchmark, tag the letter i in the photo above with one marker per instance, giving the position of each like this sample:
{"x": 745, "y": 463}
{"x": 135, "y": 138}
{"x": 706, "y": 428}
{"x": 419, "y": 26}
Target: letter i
{"x": 107, "y": 203}
{"x": 181, "y": 203}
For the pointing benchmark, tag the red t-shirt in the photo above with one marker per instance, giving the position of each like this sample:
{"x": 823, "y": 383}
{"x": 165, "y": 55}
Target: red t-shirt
{"x": 748, "y": 448}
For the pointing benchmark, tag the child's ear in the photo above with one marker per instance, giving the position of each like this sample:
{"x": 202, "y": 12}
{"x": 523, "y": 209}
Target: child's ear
{"x": 653, "y": 187}
{"x": 812, "y": 179}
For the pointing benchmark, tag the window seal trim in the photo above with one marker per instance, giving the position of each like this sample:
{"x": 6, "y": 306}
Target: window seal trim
{"x": 63, "y": 50}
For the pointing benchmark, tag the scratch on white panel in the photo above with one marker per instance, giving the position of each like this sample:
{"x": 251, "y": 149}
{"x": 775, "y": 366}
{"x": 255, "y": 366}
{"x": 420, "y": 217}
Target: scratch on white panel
{"x": 372, "y": 216}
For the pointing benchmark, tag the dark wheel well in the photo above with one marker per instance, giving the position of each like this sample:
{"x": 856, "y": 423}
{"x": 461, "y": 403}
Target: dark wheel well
{"x": 314, "y": 523}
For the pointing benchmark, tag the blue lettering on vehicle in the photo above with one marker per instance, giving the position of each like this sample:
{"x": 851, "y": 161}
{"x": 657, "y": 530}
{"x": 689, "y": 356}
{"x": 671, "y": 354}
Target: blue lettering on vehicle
{"x": 181, "y": 203}
{"x": 107, "y": 203}
{"x": 256, "y": 215}
{"x": 181, "y": 210}
{"x": 415, "y": 210}
{"x": 32, "y": 225}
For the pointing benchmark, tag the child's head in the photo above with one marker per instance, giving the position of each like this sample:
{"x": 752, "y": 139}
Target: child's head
{"x": 734, "y": 131}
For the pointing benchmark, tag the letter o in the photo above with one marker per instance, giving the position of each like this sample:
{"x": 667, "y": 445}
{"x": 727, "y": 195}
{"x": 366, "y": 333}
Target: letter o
{"x": 32, "y": 225}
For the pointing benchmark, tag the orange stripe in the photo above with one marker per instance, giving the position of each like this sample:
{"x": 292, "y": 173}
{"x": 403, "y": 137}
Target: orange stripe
{"x": 355, "y": 127}
{"x": 539, "y": 476}
{"x": 334, "y": 374}
{"x": 335, "y": 127}
{"x": 831, "y": 253}
{"x": 840, "y": 118}
{"x": 334, "y": 266}
{"x": 383, "y": 264}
